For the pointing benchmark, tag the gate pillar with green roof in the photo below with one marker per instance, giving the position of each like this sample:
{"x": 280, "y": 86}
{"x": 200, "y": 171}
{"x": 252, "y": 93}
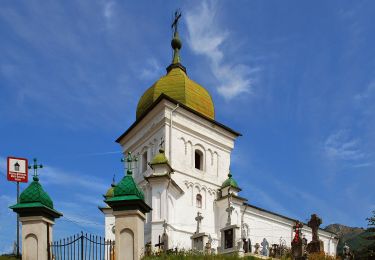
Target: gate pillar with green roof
{"x": 37, "y": 216}
{"x": 129, "y": 209}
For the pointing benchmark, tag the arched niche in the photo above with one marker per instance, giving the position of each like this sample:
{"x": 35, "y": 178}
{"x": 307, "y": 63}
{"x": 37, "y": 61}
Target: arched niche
{"x": 31, "y": 246}
{"x": 127, "y": 241}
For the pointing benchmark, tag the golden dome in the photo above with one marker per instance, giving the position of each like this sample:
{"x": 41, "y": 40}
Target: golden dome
{"x": 177, "y": 85}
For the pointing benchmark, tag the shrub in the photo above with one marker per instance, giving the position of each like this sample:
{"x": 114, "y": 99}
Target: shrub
{"x": 321, "y": 256}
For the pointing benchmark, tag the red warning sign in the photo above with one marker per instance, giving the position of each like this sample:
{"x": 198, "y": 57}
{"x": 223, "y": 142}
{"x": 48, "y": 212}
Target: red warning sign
{"x": 17, "y": 169}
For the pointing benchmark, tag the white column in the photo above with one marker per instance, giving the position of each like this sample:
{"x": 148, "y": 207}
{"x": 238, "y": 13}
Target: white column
{"x": 129, "y": 234}
{"x": 36, "y": 235}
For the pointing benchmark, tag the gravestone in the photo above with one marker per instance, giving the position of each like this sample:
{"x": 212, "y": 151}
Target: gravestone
{"x": 297, "y": 243}
{"x": 265, "y": 247}
{"x": 164, "y": 237}
{"x": 315, "y": 245}
{"x": 200, "y": 239}
{"x": 148, "y": 249}
{"x": 274, "y": 251}
{"x": 304, "y": 246}
{"x": 245, "y": 245}
{"x": 256, "y": 249}
{"x": 208, "y": 247}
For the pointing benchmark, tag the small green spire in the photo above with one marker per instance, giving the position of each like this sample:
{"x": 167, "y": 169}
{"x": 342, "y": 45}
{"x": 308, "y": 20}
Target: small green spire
{"x": 159, "y": 158}
{"x": 230, "y": 182}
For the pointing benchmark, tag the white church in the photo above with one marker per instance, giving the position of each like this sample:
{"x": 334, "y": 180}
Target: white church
{"x": 183, "y": 168}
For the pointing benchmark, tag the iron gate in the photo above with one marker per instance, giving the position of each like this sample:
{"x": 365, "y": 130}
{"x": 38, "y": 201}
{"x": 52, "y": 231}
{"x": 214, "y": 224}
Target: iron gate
{"x": 82, "y": 247}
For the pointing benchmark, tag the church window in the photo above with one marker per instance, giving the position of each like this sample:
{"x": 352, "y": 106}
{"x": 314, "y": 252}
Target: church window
{"x": 199, "y": 201}
{"x": 198, "y": 160}
{"x": 144, "y": 161}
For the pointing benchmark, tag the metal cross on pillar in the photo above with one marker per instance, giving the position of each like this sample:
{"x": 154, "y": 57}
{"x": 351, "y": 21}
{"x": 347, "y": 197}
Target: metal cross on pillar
{"x": 129, "y": 162}
{"x": 35, "y": 166}
{"x": 199, "y": 219}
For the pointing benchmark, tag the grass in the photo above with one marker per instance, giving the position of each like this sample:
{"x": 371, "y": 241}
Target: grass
{"x": 3, "y": 257}
{"x": 197, "y": 256}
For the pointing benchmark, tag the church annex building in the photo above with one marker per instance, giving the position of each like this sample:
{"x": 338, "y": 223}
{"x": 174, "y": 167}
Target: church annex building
{"x": 183, "y": 173}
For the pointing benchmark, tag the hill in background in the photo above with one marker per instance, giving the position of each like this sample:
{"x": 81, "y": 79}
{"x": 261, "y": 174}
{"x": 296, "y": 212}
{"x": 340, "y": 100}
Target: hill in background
{"x": 361, "y": 241}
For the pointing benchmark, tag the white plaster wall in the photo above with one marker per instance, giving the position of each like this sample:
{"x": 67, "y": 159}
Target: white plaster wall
{"x": 109, "y": 220}
{"x": 191, "y": 132}
{"x": 34, "y": 239}
{"x": 273, "y": 228}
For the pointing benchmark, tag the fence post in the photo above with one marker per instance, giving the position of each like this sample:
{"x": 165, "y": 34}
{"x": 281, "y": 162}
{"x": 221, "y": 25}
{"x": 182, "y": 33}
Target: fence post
{"x": 82, "y": 246}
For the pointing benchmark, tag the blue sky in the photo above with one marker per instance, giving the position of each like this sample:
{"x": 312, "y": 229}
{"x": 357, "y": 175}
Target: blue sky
{"x": 296, "y": 78}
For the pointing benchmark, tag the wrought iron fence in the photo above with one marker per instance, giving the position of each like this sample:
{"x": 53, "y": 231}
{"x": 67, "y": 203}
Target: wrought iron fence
{"x": 82, "y": 247}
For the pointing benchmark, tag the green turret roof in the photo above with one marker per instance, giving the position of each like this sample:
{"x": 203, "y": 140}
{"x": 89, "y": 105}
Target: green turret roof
{"x": 35, "y": 193}
{"x": 127, "y": 189}
{"x": 230, "y": 182}
{"x": 159, "y": 158}
{"x": 35, "y": 198}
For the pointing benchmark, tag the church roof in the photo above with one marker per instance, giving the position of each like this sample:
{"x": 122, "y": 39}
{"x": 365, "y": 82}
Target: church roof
{"x": 34, "y": 198}
{"x": 34, "y": 193}
{"x": 126, "y": 189}
{"x": 165, "y": 97}
{"x": 230, "y": 182}
{"x": 177, "y": 85}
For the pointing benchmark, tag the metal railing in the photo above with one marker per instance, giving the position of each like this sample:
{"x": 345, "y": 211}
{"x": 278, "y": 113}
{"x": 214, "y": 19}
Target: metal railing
{"x": 82, "y": 247}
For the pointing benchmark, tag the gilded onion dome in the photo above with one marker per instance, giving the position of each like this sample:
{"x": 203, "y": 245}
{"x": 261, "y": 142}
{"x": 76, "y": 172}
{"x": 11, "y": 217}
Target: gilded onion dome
{"x": 177, "y": 85}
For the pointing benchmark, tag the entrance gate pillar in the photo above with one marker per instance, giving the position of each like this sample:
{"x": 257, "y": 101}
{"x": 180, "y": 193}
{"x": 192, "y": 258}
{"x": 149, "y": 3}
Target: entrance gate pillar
{"x": 37, "y": 216}
{"x": 129, "y": 209}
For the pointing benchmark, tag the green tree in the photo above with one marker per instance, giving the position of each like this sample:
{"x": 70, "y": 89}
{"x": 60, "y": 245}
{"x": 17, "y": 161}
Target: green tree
{"x": 371, "y": 220}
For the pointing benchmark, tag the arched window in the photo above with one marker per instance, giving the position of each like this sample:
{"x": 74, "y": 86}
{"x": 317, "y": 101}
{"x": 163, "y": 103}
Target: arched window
{"x": 198, "y": 160}
{"x": 199, "y": 201}
{"x": 144, "y": 161}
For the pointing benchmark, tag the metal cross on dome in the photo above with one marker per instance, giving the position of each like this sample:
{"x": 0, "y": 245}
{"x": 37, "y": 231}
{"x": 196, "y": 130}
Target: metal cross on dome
{"x": 35, "y": 166}
{"x": 130, "y": 162}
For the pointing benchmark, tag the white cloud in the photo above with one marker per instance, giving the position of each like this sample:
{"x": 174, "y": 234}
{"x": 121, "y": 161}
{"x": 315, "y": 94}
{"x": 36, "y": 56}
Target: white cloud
{"x": 370, "y": 90}
{"x": 341, "y": 146}
{"x": 151, "y": 70}
{"x": 207, "y": 38}
{"x": 108, "y": 12}
{"x": 58, "y": 177}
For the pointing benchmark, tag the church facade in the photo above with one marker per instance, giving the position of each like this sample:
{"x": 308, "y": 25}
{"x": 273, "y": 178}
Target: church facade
{"x": 183, "y": 168}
